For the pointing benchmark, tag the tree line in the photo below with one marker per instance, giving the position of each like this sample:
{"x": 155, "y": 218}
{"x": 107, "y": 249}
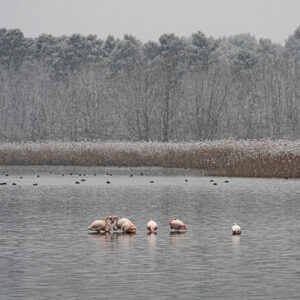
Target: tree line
{"x": 77, "y": 88}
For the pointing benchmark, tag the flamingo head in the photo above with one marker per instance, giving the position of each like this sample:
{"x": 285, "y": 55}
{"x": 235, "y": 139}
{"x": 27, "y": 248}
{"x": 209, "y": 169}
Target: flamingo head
{"x": 172, "y": 220}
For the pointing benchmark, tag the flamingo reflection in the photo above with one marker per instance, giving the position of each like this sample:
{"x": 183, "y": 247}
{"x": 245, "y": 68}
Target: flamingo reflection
{"x": 152, "y": 236}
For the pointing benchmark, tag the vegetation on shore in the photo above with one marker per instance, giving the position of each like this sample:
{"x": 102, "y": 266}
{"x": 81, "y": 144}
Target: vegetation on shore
{"x": 245, "y": 158}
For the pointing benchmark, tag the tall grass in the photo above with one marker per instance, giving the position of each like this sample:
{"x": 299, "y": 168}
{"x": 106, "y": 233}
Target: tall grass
{"x": 220, "y": 158}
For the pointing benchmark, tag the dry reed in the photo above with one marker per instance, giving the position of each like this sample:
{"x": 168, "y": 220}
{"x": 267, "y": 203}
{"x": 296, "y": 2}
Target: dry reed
{"x": 219, "y": 158}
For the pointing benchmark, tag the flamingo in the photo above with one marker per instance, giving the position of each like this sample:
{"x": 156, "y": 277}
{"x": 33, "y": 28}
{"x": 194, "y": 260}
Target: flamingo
{"x": 151, "y": 225}
{"x": 128, "y": 227}
{"x": 118, "y": 222}
{"x": 99, "y": 225}
{"x": 236, "y": 229}
{"x": 177, "y": 224}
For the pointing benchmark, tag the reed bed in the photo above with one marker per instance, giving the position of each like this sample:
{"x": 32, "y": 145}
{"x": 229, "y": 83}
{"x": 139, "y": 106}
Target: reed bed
{"x": 245, "y": 158}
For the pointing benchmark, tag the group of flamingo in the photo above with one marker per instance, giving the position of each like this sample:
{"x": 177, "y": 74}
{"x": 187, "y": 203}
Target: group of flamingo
{"x": 127, "y": 226}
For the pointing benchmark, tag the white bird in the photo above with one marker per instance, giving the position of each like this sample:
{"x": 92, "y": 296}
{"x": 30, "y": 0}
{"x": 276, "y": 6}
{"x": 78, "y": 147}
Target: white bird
{"x": 99, "y": 225}
{"x": 236, "y": 229}
{"x": 118, "y": 222}
{"x": 128, "y": 227}
{"x": 151, "y": 225}
{"x": 177, "y": 224}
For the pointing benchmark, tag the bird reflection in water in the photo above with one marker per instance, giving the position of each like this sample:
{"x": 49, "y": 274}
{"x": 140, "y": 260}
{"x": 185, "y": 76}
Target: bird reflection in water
{"x": 123, "y": 240}
{"x": 176, "y": 236}
{"x": 236, "y": 244}
{"x": 115, "y": 239}
{"x": 102, "y": 239}
{"x": 152, "y": 242}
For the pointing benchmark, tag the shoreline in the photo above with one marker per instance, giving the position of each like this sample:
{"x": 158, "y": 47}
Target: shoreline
{"x": 227, "y": 158}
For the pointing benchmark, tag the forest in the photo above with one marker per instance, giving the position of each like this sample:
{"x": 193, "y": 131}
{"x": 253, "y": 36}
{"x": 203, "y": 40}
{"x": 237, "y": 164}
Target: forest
{"x": 82, "y": 88}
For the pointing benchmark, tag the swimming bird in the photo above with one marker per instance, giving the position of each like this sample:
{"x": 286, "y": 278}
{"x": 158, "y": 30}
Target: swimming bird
{"x": 118, "y": 222}
{"x": 236, "y": 229}
{"x": 128, "y": 227}
{"x": 151, "y": 225}
{"x": 99, "y": 225}
{"x": 177, "y": 224}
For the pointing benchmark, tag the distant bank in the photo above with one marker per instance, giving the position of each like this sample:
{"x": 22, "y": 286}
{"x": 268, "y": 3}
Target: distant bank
{"x": 244, "y": 158}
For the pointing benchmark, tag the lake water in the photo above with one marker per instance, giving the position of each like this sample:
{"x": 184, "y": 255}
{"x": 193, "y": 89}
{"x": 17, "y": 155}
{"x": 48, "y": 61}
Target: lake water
{"x": 46, "y": 251}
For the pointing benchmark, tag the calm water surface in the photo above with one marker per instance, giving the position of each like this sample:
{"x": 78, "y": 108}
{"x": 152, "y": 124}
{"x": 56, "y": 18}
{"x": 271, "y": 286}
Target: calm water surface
{"x": 46, "y": 251}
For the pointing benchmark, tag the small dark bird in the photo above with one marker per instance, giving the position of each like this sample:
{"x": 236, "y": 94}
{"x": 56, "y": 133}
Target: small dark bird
{"x": 37, "y": 175}
{"x": 62, "y": 174}
{"x": 142, "y": 174}
{"x": 186, "y": 180}
{"x": 226, "y": 181}
{"x": 151, "y": 181}
{"x": 211, "y": 180}
{"x": 107, "y": 174}
{"x": 71, "y": 173}
{"x": 95, "y": 174}
{"x": 6, "y": 174}
{"x": 79, "y": 174}
{"x": 110, "y": 174}
{"x": 77, "y": 182}
{"x": 83, "y": 180}
{"x": 3, "y": 183}
{"x": 84, "y": 174}
{"x": 286, "y": 178}
{"x": 14, "y": 183}
{"x": 108, "y": 182}
{"x": 131, "y": 175}
{"x": 21, "y": 177}
{"x": 215, "y": 183}
{"x": 34, "y": 184}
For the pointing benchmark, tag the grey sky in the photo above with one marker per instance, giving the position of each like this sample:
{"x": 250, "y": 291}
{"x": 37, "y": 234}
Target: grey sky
{"x": 148, "y": 19}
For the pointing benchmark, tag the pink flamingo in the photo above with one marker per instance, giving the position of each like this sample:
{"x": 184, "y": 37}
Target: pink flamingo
{"x": 177, "y": 224}
{"x": 118, "y": 222}
{"x": 151, "y": 225}
{"x": 99, "y": 225}
{"x": 128, "y": 227}
{"x": 236, "y": 229}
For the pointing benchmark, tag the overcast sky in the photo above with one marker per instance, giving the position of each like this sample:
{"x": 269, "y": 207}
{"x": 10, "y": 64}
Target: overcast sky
{"x": 148, "y": 19}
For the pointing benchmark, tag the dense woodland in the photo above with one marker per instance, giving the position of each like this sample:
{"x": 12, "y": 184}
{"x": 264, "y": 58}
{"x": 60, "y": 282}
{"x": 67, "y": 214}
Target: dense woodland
{"x": 77, "y": 88}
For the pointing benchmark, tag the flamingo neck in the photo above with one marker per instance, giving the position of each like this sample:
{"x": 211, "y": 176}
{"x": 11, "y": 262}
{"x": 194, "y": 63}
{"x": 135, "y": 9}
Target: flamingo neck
{"x": 107, "y": 224}
{"x": 116, "y": 219}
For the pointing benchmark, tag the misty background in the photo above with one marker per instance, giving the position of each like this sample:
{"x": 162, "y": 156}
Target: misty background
{"x": 185, "y": 85}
